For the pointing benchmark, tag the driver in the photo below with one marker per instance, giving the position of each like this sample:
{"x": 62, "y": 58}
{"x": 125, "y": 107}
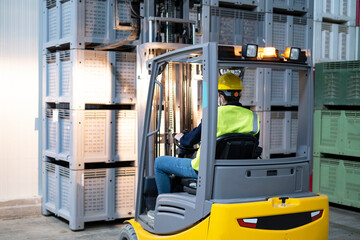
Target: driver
{"x": 232, "y": 118}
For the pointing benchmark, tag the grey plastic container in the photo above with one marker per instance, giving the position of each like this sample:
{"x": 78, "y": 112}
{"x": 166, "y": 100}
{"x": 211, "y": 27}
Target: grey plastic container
{"x": 281, "y": 88}
{"x": 88, "y": 195}
{"x": 89, "y": 136}
{"x": 305, "y": 7}
{"x": 278, "y": 132}
{"x": 79, "y": 23}
{"x": 258, "y": 5}
{"x": 288, "y": 31}
{"x": 236, "y": 27}
{"x": 80, "y": 77}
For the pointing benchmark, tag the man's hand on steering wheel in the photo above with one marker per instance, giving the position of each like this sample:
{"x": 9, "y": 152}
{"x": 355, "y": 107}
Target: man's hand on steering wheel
{"x": 178, "y": 136}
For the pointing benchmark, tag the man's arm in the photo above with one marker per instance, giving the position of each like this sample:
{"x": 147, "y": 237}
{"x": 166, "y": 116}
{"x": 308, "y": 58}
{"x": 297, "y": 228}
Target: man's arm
{"x": 191, "y": 138}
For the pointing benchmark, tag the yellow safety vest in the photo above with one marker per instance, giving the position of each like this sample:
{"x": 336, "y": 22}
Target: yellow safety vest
{"x": 233, "y": 119}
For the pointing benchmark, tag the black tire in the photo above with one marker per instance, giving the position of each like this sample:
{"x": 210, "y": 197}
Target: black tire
{"x": 127, "y": 232}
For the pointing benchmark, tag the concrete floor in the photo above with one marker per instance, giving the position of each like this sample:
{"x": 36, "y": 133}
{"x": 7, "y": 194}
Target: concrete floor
{"x": 344, "y": 225}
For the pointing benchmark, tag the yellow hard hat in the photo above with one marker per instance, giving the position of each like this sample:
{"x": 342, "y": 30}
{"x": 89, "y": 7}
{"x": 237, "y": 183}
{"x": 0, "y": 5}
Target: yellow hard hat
{"x": 230, "y": 81}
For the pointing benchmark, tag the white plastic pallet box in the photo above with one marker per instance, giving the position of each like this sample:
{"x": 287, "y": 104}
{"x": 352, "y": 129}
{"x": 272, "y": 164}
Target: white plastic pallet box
{"x": 89, "y": 136}
{"x": 88, "y": 195}
{"x": 258, "y": 4}
{"x": 278, "y": 132}
{"x": 124, "y": 141}
{"x": 288, "y": 31}
{"x": 334, "y": 42}
{"x": 343, "y": 11}
{"x": 281, "y": 88}
{"x": 253, "y": 93}
{"x": 77, "y": 24}
{"x": 81, "y": 77}
{"x": 304, "y": 7}
{"x": 236, "y": 26}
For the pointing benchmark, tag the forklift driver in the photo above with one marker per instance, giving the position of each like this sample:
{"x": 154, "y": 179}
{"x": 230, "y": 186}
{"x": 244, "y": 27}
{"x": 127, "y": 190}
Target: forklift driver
{"x": 232, "y": 118}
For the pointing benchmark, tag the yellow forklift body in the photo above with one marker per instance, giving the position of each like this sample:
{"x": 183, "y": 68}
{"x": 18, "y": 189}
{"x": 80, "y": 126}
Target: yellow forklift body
{"x": 198, "y": 232}
{"x": 224, "y": 224}
{"x": 223, "y": 221}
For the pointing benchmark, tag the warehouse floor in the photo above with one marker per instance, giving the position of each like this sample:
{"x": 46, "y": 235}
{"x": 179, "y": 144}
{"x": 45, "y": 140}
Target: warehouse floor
{"x": 344, "y": 225}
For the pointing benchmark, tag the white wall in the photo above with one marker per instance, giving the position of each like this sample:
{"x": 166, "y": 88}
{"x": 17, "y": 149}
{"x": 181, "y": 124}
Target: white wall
{"x": 19, "y": 99}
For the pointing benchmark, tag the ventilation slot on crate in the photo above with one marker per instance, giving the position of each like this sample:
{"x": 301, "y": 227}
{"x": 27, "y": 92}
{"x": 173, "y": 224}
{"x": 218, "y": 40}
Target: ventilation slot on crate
{"x": 120, "y": 172}
{"x": 293, "y": 131}
{"x": 65, "y": 55}
{"x": 64, "y": 114}
{"x": 343, "y": 33}
{"x": 125, "y": 188}
{"x": 352, "y": 185}
{"x": 50, "y": 3}
{"x": 330, "y": 128}
{"x": 94, "y": 194}
{"x": 280, "y": 18}
{"x": 295, "y": 88}
{"x": 95, "y": 18}
{"x": 125, "y": 139}
{"x": 95, "y": 132}
{"x": 51, "y": 57}
{"x": 65, "y": 132}
{"x": 94, "y": 174}
{"x": 49, "y": 113}
{"x": 299, "y": 38}
{"x": 126, "y": 56}
{"x": 50, "y": 167}
{"x": 125, "y": 75}
{"x": 64, "y": 172}
{"x": 276, "y": 130}
{"x": 328, "y": 176}
{"x": 331, "y": 86}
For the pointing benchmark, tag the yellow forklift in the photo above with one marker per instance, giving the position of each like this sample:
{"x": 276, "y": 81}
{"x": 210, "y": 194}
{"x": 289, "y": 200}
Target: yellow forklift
{"x": 232, "y": 198}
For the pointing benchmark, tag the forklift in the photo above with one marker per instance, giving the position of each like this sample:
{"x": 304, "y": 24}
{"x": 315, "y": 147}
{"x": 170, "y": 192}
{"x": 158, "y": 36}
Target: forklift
{"x": 241, "y": 197}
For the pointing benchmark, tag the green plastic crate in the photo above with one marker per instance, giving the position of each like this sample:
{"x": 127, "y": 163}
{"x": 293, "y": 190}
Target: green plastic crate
{"x": 337, "y": 132}
{"x": 337, "y": 84}
{"x": 338, "y": 179}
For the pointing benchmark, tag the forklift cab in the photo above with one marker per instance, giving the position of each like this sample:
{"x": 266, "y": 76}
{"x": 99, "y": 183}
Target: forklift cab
{"x": 237, "y": 195}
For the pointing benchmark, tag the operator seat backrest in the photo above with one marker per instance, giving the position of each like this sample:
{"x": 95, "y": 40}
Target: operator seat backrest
{"x": 236, "y": 146}
{"x": 229, "y": 146}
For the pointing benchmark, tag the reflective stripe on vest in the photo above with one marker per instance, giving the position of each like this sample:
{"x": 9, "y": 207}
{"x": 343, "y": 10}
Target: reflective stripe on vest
{"x": 233, "y": 119}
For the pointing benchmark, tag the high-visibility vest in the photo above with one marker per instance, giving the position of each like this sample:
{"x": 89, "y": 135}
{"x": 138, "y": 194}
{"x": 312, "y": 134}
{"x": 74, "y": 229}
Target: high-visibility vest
{"x": 233, "y": 119}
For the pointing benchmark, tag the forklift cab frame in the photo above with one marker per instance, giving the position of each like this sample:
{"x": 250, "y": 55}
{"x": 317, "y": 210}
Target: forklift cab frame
{"x": 226, "y": 182}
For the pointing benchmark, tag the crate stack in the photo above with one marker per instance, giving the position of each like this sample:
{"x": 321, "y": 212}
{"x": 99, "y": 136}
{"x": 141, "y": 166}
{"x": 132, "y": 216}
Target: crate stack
{"x": 273, "y": 94}
{"x": 336, "y": 171}
{"x": 336, "y": 33}
{"x": 89, "y": 115}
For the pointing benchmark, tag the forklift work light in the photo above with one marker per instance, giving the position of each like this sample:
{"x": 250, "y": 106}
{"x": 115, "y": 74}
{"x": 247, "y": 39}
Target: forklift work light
{"x": 250, "y": 51}
{"x": 268, "y": 53}
{"x": 292, "y": 53}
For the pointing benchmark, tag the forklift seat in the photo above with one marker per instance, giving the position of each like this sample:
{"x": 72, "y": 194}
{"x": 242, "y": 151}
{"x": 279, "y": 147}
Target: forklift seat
{"x": 229, "y": 146}
{"x": 237, "y": 146}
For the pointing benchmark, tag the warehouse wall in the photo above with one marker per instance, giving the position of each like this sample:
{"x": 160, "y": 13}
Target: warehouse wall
{"x": 19, "y": 99}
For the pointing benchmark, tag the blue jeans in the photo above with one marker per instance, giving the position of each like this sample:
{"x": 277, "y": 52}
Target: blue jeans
{"x": 166, "y": 165}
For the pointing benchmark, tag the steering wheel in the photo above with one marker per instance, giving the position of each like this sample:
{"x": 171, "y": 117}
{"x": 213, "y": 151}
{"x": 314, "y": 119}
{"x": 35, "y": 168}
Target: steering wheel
{"x": 183, "y": 151}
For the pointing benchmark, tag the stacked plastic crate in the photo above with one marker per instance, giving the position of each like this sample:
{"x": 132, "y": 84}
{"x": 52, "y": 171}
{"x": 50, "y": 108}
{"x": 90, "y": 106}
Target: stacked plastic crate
{"x": 336, "y": 32}
{"x": 337, "y": 132}
{"x": 89, "y": 116}
{"x": 272, "y": 93}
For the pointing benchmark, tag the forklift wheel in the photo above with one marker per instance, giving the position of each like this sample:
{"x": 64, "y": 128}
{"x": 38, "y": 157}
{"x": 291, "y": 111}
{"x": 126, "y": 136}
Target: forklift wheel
{"x": 127, "y": 232}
